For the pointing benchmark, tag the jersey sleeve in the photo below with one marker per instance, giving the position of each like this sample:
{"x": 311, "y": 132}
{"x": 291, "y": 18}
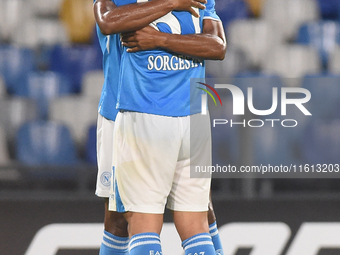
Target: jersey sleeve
{"x": 210, "y": 12}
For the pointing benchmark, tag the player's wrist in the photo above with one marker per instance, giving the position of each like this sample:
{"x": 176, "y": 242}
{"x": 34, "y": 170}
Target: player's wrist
{"x": 163, "y": 40}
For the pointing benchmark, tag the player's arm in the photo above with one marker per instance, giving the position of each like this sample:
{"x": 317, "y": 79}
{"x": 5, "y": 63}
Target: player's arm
{"x": 113, "y": 19}
{"x": 210, "y": 44}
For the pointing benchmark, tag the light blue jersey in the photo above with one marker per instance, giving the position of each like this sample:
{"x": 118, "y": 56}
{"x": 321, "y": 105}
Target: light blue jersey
{"x": 157, "y": 81}
{"x": 112, "y": 50}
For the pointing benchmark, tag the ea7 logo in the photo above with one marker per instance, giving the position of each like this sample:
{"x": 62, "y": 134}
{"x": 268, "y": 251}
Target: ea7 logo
{"x": 264, "y": 238}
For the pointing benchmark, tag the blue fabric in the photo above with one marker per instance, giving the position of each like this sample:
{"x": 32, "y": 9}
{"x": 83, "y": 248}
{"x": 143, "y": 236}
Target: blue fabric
{"x": 329, "y": 9}
{"x": 15, "y": 64}
{"x": 322, "y": 35}
{"x": 157, "y": 81}
{"x": 114, "y": 245}
{"x": 145, "y": 244}
{"x": 137, "y": 81}
{"x": 74, "y": 61}
{"x": 215, "y": 237}
{"x": 230, "y": 10}
{"x": 45, "y": 143}
{"x": 43, "y": 87}
{"x": 91, "y": 145}
{"x": 199, "y": 244}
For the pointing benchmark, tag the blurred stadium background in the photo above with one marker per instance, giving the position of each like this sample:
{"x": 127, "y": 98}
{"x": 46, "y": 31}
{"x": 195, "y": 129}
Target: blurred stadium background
{"x": 50, "y": 84}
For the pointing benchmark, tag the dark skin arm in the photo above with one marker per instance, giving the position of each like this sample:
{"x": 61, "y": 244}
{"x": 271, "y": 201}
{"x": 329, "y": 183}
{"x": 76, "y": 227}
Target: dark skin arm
{"x": 113, "y": 20}
{"x": 210, "y": 44}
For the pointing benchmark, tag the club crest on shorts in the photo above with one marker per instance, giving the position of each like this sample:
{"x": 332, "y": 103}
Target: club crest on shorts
{"x": 105, "y": 179}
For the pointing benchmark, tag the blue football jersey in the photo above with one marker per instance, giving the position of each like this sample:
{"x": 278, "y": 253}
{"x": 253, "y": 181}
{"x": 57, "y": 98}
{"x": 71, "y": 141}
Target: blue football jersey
{"x": 141, "y": 95}
{"x": 112, "y": 51}
{"x": 158, "y": 81}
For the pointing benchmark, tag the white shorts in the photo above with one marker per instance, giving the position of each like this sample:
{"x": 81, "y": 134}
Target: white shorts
{"x": 152, "y": 158}
{"x": 105, "y": 128}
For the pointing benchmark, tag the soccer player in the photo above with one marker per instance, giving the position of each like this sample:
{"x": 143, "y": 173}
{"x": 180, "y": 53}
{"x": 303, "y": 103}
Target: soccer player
{"x": 110, "y": 45}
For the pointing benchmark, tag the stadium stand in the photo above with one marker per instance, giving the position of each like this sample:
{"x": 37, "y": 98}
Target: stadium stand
{"x": 43, "y": 86}
{"x": 3, "y": 91}
{"x": 271, "y": 145}
{"x": 235, "y": 61}
{"x": 254, "y": 37}
{"x": 74, "y": 61}
{"x": 15, "y": 63}
{"x": 325, "y": 105}
{"x": 262, "y": 85}
{"x": 15, "y": 111}
{"x": 322, "y": 35}
{"x": 230, "y": 10}
{"x": 334, "y": 60}
{"x": 321, "y": 142}
{"x": 13, "y": 13}
{"x": 92, "y": 84}
{"x": 36, "y": 32}
{"x": 91, "y": 145}
{"x": 288, "y": 15}
{"x": 77, "y": 16}
{"x": 46, "y": 8}
{"x": 77, "y": 113}
{"x": 255, "y": 7}
{"x": 45, "y": 143}
{"x": 4, "y": 153}
{"x": 329, "y": 9}
{"x": 292, "y": 61}
{"x": 39, "y": 41}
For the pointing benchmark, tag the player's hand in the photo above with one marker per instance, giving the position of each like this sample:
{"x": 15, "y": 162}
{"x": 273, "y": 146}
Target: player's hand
{"x": 187, "y": 5}
{"x": 147, "y": 38}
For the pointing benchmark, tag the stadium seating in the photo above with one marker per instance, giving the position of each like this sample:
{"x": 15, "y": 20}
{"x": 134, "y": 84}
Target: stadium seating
{"x": 37, "y": 47}
{"x": 255, "y": 6}
{"x": 37, "y": 32}
{"x": 325, "y": 91}
{"x": 292, "y": 61}
{"x": 225, "y": 139}
{"x": 321, "y": 142}
{"x": 13, "y": 13}
{"x": 334, "y": 61}
{"x": 45, "y": 143}
{"x": 272, "y": 146}
{"x": 235, "y": 61}
{"x": 329, "y": 9}
{"x": 15, "y": 63}
{"x": 262, "y": 85}
{"x": 2, "y": 88}
{"x": 254, "y": 37}
{"x": 230, "y": 10}
{"x": 92, "y": 84}
{"x": 74, "y": 61}
{"x": 77, "y": 113}
{"x": 288, "y": 15}
{"x": 91, "y": 145}
{"x": 46, "y": 7}
{"x": 14, "y": 111}
{"x": 77, "y": 16}
{"x": 322, "y": 35}
{"x": 43, "y": 87}
{"x": 4, "y": 153}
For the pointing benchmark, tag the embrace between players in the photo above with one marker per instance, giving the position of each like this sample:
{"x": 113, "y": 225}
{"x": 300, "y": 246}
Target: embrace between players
{"x": 147, "y": 113}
